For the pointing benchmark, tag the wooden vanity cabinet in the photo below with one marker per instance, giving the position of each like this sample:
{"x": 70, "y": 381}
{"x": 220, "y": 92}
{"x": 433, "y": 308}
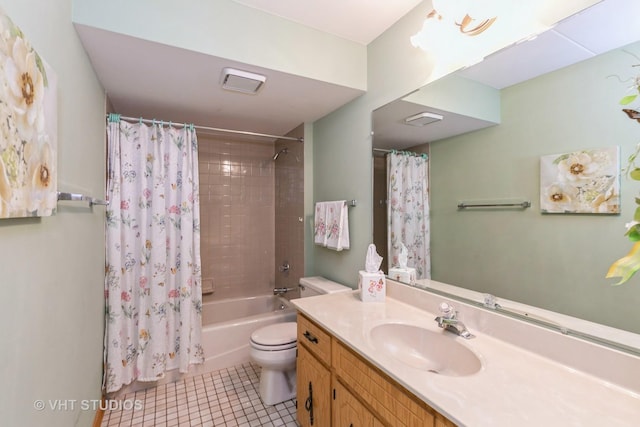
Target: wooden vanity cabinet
{"x": 348, "y": 411}
{"x": 337, "y": 387}
{"x": 313, "y": 379}
{"x": 443, "y": 422}
{"x": 393, "y": 404}
{"x": 313, "y": 392}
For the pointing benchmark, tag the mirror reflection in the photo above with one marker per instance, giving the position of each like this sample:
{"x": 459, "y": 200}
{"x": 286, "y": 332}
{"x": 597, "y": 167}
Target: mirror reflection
{"x": 486, "y": 128}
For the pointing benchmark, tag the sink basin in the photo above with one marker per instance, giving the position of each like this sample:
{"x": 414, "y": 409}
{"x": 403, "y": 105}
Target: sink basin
{"x": 421, "y": 348}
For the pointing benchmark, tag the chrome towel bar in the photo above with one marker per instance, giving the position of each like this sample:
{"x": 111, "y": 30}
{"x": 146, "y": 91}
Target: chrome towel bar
{"x": 75, "y": 197}
{"x": 523, "y": 205}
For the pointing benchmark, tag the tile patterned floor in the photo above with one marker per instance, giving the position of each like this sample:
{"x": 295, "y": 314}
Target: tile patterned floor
{"x": 226, "y": 398}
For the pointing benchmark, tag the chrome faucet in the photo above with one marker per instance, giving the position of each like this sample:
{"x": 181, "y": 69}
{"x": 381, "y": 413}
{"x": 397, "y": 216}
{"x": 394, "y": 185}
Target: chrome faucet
{"x": 449, "y": 321}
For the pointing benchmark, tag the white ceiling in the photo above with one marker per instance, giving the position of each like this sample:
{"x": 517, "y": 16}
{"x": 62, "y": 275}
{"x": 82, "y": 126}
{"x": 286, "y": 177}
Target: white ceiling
{"x": 138, "y": 85}
{"x": 357, "y": 20}
{"x": 607, "y": 25}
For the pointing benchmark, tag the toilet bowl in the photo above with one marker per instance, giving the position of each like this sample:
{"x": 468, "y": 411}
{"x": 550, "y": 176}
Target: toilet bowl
{"x": 273, "y": 347}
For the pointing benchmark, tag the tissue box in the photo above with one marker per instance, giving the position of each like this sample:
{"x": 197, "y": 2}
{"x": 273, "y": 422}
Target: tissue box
{"x": 405, "y": 275}
{"x": 373, "y": 286}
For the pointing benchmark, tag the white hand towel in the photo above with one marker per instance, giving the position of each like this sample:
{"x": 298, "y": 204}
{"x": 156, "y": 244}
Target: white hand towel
{"x": 337, "y": 224}
{"x": 320, "y": 225}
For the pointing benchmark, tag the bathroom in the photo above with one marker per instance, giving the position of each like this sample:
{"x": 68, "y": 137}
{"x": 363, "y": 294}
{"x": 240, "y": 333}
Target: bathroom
{"x": 61, "y": 301}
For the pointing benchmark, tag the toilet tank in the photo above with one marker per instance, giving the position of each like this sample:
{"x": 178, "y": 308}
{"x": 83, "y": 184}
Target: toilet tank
{"x": 317, "y": 285}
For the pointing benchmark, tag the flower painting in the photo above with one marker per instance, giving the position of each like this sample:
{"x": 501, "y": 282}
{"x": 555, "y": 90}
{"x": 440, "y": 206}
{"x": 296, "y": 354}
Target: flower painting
{"x": 28, "y": 127}
{"x": 585, "y": 181}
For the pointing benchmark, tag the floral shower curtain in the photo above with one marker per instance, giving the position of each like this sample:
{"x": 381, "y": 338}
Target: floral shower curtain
{"x": 408, "y": 211}
{"x": 153, "y": 277}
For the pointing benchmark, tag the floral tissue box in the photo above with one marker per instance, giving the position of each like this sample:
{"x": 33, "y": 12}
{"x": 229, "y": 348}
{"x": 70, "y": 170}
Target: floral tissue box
{"x": 373, "y": 286}
{"x": 404, "y": 275}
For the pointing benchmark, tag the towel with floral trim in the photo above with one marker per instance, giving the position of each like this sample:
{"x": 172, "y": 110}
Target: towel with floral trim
{"x": 331, "y": 225}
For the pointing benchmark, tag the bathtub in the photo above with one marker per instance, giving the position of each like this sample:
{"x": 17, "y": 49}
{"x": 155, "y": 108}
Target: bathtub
{"x": 227, "y": 326}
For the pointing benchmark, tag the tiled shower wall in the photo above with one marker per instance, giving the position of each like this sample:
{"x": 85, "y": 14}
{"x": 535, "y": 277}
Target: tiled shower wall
{"x": 289, "y": 222}
{"x": 380, "y": 209}
{"x": 237, "y": 196}
{"x": 250, "y": 211}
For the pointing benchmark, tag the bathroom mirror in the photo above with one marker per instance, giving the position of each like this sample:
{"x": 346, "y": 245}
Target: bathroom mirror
{"x": 556, "y": 94}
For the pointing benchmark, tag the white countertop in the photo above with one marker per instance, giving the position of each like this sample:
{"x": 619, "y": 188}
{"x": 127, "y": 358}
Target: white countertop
{"x": 514, "y": 388}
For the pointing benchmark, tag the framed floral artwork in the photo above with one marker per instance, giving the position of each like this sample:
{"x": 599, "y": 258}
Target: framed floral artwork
{"x": 28, "y": 127}
{"x": 585, "y": 181}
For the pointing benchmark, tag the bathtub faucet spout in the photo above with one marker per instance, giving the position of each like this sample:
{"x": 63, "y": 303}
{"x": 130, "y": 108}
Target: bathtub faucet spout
{"x": 282, "y": 291}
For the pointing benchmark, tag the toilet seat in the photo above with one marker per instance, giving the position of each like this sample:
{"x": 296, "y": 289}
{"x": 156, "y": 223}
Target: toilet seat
{"x": 276, "y": 337}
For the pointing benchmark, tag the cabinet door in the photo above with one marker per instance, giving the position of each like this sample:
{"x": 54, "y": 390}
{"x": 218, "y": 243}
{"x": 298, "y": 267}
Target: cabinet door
{"x": 313, "y": 391}
{"x": 443, "y": 422}
{"x": 348, "y": 411}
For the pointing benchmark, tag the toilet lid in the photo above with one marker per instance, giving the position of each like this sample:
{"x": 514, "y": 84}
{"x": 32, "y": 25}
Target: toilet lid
{"x": 277, "y": 334}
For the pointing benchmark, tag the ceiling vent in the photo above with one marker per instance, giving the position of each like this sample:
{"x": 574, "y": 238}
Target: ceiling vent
{"x": 241, "y": 81}
{"x": 422, "y": 119}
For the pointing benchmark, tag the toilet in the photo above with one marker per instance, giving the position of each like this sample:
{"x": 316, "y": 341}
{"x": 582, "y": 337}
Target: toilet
{"x": 273, "y": 347}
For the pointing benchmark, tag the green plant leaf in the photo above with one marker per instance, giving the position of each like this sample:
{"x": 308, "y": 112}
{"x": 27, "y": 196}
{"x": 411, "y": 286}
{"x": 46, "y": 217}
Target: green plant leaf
{"x": 626, "y": 266}
{"x": 633, "y": 234}
{"x": 635, "y": 174}
{"x": 628, "y": 99}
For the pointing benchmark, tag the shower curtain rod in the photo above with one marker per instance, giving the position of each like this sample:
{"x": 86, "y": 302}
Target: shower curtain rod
{"x": 240, "y": 132}
{"x": 410, "y": 153}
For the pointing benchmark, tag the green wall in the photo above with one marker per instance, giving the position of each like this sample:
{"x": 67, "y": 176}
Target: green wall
{"x": 555, "y": 261}
{"x": 342, "y": 161}
{"x": 342, "y": 140}
{"x": 461, "y": 96}
{"x": 52, "y": 269}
